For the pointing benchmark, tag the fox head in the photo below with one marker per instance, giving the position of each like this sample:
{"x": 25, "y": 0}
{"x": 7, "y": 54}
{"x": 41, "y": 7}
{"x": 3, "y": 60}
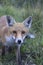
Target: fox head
{"x": 18, "y": 30}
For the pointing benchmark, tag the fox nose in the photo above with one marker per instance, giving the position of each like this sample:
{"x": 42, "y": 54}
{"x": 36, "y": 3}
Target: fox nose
{"x": 19, "y": 41}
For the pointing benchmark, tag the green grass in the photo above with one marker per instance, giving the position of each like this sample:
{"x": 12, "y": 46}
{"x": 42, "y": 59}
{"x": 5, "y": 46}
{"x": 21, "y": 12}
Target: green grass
{"x": 32, "y": 46}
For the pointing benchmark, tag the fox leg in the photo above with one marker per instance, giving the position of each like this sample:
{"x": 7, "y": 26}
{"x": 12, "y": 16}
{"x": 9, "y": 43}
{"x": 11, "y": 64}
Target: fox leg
{"x": 9, "y": 49}
{"x": 18, "y": 56}
{"x": 3, "y": 50}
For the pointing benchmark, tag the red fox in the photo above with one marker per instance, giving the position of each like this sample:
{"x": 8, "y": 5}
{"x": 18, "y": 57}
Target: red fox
{"x": 13, "y": 32}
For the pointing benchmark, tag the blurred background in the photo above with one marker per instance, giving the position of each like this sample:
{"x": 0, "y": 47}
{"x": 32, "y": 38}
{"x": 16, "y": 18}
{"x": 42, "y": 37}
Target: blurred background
{"x": 32, "y": 50}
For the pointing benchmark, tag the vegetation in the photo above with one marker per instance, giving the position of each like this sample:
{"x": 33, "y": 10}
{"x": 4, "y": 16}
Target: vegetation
{"x": 32, "y": 49}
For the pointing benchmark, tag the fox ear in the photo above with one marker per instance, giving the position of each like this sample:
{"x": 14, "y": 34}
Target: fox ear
{"x": 27, "y": 22}
{"x": 10, "y": 20}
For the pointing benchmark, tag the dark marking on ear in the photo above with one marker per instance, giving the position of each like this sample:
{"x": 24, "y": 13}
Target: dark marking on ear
{"x": 29, "y": 20}
{"x": 9, "y": 20}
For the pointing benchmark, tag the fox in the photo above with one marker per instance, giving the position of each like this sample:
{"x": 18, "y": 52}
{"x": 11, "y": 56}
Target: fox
{"x": 12, "y": 32}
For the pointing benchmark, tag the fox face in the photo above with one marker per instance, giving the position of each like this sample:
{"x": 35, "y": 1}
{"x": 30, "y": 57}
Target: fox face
{"x": 19, "y": 30}
{"x": 14, "y": 32}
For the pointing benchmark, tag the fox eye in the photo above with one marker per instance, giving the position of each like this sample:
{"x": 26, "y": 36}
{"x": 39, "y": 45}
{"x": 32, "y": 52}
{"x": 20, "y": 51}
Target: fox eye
{"x": 23, "y": 32}
{"x": 14, "y": 32}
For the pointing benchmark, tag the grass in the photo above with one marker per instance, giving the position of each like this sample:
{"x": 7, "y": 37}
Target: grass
{"x": 32, "y": 46}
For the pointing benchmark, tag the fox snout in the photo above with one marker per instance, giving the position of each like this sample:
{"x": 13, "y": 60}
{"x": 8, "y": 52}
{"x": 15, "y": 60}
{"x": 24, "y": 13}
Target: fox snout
{"x": 18, "y": 37}
{"x": 19, "y": 40}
